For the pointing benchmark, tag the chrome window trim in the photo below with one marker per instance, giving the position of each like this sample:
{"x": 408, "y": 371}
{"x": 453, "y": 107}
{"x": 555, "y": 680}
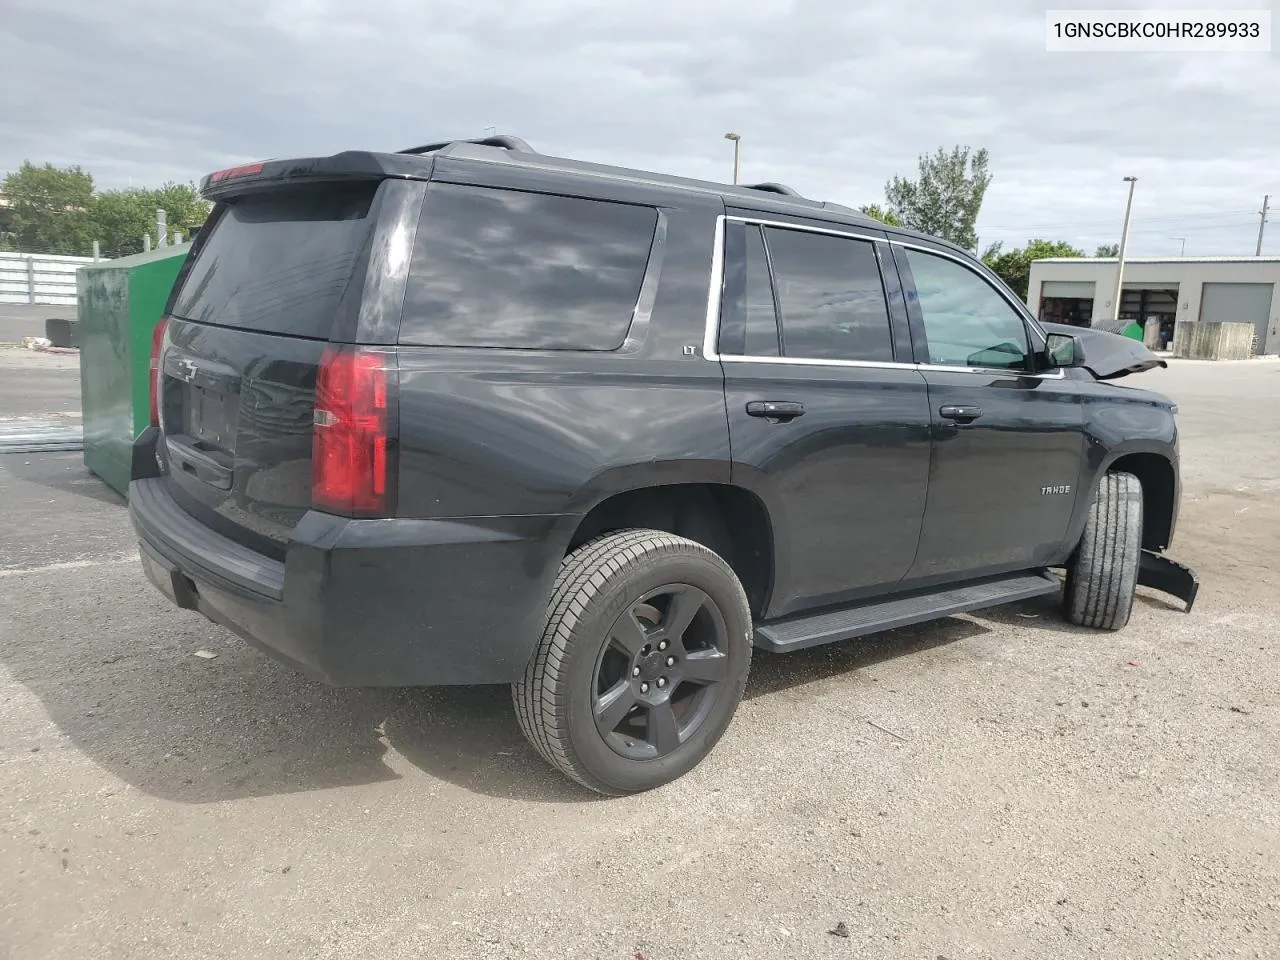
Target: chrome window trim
{"x": 817, "y": 362}
{"x": 1057, "y": 374}
{"x": 892, "y": 365}
{"x": 715, "y": 294}
{"x": 765, "y": 222}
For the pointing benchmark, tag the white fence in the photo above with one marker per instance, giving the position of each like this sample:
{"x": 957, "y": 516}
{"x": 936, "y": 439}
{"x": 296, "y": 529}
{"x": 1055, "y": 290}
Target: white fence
{"x": 39, "y": 278}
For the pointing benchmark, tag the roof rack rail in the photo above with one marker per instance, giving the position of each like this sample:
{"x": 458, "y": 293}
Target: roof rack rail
{"x": 501, "y": 140}
{"x": 781, "y": 188}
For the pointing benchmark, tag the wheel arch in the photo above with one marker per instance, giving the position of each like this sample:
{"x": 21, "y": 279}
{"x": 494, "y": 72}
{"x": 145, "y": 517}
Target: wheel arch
{"x": 1159, "y": 480}
{"x": 728, "y": 519}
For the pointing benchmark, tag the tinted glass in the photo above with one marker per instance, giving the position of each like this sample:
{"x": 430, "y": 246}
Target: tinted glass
{"x": 967, "y": 323}
{"x": 499, "y": 268}
{"x": 279, "y": 262}
{"x": 832, "y": 300}
{"x": 762, "y": 321}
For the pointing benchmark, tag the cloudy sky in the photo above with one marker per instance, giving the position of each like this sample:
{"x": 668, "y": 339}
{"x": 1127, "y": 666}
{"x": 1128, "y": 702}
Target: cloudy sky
{"x": 830, "y": 96}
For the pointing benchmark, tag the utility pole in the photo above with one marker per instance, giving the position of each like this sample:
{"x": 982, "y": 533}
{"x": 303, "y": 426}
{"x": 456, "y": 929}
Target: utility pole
{"x": 1262, "y": 224}
{"x": 1182, "y": 252}
{"x": 1124, "y": 242}
{"x": 737, "y": 144}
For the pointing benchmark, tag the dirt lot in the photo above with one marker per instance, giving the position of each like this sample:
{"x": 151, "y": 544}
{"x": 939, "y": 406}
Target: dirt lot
{"x": 993, "y": 786}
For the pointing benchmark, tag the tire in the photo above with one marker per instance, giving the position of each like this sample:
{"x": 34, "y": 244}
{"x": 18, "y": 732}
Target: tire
{"x": 1103, "y": 573}
{"x": 624, "y": 606}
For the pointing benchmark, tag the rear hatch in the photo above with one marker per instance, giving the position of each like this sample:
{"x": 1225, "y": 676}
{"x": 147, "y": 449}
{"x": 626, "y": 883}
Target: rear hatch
{"x": 256, "y": 309}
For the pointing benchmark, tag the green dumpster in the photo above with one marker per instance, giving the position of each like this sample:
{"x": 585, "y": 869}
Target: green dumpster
{"x": 120, "y": 302}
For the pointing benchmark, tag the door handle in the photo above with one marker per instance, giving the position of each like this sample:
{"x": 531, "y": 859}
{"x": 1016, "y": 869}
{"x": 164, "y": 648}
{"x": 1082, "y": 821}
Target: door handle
{"x": 775, "y": 409}
{"x": 961, "y": 412}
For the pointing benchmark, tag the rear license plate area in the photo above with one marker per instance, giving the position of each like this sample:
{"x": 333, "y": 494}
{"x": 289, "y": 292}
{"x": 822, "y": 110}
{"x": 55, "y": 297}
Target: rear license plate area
{"x": 210, "y": 419}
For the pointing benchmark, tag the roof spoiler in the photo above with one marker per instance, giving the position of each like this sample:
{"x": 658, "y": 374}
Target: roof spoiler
{"x": 504, "y": 141}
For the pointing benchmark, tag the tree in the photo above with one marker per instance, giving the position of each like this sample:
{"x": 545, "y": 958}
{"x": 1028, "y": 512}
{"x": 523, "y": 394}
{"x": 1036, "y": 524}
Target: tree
{"x": 946, "y": 198}
{"x": 1107, "y": 250}
{"x": 876, "y": 212}
{"x": 123, "y": 216}
{"x": 54, "y": 210}
{"x": 48, "y": 209}
{"x": 1014, "y": 267}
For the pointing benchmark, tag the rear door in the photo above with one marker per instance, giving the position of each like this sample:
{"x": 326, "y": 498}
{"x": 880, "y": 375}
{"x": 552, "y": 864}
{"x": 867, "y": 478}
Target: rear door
{"x": 1008, "y": 442}
{"x": 275, "y": 275}
{"x": 828, "y": 419}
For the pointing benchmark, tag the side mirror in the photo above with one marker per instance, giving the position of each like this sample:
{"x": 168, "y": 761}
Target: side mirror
{"x": 1064, "y": 350}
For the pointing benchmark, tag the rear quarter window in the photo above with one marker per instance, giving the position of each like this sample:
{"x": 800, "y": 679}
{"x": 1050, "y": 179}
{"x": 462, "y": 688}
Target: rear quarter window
{"x": 503, "y": 268}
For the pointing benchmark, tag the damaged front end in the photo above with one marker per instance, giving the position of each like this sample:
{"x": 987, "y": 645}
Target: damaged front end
{"x": 1108, "y": 355}
{"x": 1104, "y": 354}
{"x": 1157, "y": 571}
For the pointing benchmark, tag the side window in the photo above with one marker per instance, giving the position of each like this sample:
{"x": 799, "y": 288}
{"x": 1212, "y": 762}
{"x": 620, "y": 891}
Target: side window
{"x": 761, "y": 318}
{"x": 967, "y": 323}
{"x": 501, "y": 268}
{"x": 831, "y": 296}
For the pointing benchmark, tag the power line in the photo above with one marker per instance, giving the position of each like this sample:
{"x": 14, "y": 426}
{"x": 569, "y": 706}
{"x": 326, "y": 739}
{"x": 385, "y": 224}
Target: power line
{"x": 1111, "y": 222}
{"x": 1020, "y": 232}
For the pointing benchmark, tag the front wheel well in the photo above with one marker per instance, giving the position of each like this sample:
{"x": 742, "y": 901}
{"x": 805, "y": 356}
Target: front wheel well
{"x": 1155, "y": 474}
{"x": 727, "y": 519}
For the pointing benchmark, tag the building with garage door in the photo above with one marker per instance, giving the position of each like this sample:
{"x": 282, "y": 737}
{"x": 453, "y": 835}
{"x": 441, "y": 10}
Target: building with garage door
{"x": 1171, "y": 290}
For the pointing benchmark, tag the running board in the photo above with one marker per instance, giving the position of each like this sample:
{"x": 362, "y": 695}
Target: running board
{"x": 781, "y": 636}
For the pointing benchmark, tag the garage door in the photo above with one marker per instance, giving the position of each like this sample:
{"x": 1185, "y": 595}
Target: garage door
{"x": 1238, "y": 303}
{"x": 1070, "y": 289}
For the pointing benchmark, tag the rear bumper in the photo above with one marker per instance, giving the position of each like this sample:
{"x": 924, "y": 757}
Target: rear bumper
{"x": 393, "y": 602}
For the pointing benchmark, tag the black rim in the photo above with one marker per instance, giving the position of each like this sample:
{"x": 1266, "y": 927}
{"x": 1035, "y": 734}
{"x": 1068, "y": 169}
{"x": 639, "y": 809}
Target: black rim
{"x": 661, "y": 672}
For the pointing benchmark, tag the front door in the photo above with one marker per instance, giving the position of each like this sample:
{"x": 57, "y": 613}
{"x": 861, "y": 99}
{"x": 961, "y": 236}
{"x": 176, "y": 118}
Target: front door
{"x": 828, "y": 419}
{"x": 1008, "y": 442}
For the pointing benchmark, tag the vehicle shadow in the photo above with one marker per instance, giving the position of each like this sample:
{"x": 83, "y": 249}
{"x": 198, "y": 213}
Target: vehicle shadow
{"x": 141, "y": 705}
{"x": 64, "y": 472}
{"x": 772, "y": 673}
{"x": 1045, "y": 613}
{"x": 1040, "y": 613}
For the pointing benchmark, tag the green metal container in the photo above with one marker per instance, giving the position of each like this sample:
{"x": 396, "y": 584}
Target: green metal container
{"x": 120, "y": 302}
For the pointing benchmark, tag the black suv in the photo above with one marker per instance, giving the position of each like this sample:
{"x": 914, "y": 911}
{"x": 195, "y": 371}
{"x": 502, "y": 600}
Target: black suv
{"x": 470, "y": 414}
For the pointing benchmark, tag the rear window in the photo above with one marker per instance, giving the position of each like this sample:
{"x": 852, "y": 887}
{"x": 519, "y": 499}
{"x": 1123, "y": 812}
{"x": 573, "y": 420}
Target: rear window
{"x": 501, "y": 268}
{"x": 279, "y": 262}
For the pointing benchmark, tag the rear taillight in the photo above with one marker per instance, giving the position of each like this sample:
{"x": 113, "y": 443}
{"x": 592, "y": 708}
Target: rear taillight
{"x": 157, "y": 341}
{"x": 351, "y": 445}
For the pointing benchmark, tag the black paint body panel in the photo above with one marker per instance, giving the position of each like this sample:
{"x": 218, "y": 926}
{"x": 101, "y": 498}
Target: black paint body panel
{"x": 501, "y": 453}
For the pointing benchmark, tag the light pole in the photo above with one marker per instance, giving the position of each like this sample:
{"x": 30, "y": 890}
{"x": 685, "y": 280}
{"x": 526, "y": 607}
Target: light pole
{"x": 1182, "y": 252}
{"x": 737, "y": 146}
{"x": 1124, "y": 241}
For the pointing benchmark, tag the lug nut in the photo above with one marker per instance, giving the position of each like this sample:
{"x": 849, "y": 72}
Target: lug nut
{"x": 644, "y": 688}
{"x": 662, "y": 645}
{"x": 635, "y": 671}
{"x": 671, "y": 661}
{"x": 662, "y": 682}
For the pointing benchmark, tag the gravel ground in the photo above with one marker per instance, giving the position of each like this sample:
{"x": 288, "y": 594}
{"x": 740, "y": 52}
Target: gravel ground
{"x": 995, "y": 786}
